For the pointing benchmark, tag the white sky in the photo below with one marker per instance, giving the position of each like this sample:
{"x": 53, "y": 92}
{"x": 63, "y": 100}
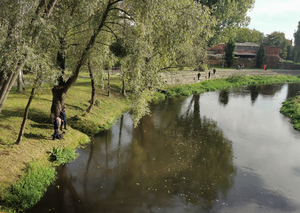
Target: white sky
{"x": 268, "y": 16}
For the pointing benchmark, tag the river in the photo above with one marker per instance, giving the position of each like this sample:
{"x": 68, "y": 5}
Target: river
{"x": 225, "y": 151}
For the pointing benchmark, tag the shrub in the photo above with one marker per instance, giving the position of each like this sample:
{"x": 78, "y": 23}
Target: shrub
{"x": 62, "y": 156}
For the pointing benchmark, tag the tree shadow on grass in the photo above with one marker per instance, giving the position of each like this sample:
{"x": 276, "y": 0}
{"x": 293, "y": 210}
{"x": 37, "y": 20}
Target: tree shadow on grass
{"x": 5, "y": 126}
{"x": 34, "y": 136}
{"x": 41, "y": 126}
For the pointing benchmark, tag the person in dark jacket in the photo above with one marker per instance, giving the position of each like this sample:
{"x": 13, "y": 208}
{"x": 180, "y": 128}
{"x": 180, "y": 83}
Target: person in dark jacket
{"x": 199, "y": 74}
{"x": 56, "y": 126}
{"x": 63, "y": 118}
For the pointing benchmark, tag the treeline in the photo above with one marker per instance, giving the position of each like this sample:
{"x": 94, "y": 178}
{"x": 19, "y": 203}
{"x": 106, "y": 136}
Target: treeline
{"x": 51, "y": 41}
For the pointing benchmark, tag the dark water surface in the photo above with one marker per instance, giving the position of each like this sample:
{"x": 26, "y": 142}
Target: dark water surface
{"x": 227, "y": 151}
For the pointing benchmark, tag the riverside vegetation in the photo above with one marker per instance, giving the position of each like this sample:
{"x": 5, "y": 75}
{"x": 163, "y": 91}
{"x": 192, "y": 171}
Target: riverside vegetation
{"x": 27, "y": 169}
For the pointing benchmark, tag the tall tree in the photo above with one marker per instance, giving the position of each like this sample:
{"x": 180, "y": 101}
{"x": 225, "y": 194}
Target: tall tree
{"x": 102, "y": 16}
{"x": 296, "y": 51}
{"x": 260, "y": 56}
{"x": 278, "y": 39}
{"x": 229, "y": 52}
{"x": 228, "y": 15}
{"x": 247, "y": 35}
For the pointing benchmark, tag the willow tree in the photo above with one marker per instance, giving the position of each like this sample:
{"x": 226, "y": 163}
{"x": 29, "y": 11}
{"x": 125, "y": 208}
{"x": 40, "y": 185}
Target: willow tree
{"x": 158, "y": 29}
{"x": 22, "y": 23}
{"x": 161, "y": 31}
{"x": 80, "y": 36}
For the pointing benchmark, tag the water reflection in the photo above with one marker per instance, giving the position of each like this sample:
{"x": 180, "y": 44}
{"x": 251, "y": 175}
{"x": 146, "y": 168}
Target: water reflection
{"x": 224, "y": 97}
{"x": 174, "y": 159}
{"x": 253, "y": 90}
{"x": 228, "y": 151}
{"x": 190, "y": 157}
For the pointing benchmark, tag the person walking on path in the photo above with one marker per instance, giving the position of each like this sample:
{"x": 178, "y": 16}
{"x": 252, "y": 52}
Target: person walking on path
{"x": 214, "y": 70}
{"x": 63, "y": 118}
{"x": 199, "y": 75}
{"x": 56, "y": 126}
{"x": 209, "y": 74}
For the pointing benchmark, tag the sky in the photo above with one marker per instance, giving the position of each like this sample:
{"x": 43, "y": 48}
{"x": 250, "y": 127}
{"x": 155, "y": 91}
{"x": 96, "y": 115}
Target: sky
{"x": 268, "y": 16}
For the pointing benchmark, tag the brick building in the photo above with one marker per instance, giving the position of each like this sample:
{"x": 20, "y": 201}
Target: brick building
{"x": 245, "y": 53}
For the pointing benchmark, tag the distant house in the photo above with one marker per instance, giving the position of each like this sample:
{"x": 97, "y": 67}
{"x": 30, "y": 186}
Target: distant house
{"x": 245, "y": 53}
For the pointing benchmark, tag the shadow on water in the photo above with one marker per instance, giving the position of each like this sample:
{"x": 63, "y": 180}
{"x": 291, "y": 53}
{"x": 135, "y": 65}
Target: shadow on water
{"x": 174, "y": 159}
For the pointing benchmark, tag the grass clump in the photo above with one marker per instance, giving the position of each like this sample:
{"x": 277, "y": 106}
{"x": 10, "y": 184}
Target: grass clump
{"x": 291, "y": 109}
{"x": 27, "y": 192}
{"x": 62, "y": 156}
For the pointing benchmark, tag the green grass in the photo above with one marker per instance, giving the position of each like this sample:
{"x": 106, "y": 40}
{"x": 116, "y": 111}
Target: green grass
{"x": 62, "y": 155}
{"x": 27, "y": 192}
{"x": 291, "y": 109}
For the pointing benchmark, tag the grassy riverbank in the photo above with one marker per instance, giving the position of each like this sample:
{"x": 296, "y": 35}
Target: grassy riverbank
{"x": 16, "y": 160}
{"x": 291, "y": 109}
{"x": 29, "y": 162}
{"x": 220, "y": 84}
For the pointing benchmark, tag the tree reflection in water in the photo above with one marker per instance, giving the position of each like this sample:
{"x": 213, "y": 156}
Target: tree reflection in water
{"x": 175, "y": 158}
{"x": 191, "y": 159}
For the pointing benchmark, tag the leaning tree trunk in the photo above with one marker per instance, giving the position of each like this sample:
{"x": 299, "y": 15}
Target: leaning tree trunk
{"x": 22, "y": 129}
{"x": 20, "y": 82}
{"x": 108, "y": 83}
{"x": 59, "y": 92}
{"x": 123, "y": 83}
{"x": 7, "y": 84}
{"x": 92, "y": 103}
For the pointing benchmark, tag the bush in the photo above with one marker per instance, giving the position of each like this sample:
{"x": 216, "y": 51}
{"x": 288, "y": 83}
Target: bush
{"x": 27, "y": 192}
{"x": 62, "y": 156}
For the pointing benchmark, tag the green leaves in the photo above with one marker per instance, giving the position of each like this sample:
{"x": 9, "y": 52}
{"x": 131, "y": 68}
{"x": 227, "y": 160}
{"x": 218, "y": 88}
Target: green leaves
{"x": 229, "y": 52}
{"x": 260, "y": 56}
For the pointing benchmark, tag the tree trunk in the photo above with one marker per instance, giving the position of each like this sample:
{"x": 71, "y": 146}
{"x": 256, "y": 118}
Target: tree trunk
{"x": 59, "y": 94}
{"x": 21, "y": 83}
{"x": 22, "y": 129}
{"x": 8, "y": 83}
{"x": 123, "y": 83}
{"x": 92, "y": 103}
{"x": 108, "y": 83}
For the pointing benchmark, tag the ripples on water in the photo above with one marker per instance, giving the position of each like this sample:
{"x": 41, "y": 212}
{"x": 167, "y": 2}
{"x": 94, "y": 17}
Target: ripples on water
{"x": 225, "y": 151}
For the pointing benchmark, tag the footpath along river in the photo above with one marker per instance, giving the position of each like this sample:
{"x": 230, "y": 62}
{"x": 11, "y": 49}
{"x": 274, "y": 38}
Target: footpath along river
{"x": 225, "y": 151}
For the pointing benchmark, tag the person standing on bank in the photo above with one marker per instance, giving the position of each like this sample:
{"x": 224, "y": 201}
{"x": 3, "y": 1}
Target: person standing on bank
{"x": 56, "y": 126}
{"x": 63, "y": 118}
{"x": 199, "y": 74}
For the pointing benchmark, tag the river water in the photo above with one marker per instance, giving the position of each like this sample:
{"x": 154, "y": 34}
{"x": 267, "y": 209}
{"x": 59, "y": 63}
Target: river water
{"x": 226, "y": 151}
